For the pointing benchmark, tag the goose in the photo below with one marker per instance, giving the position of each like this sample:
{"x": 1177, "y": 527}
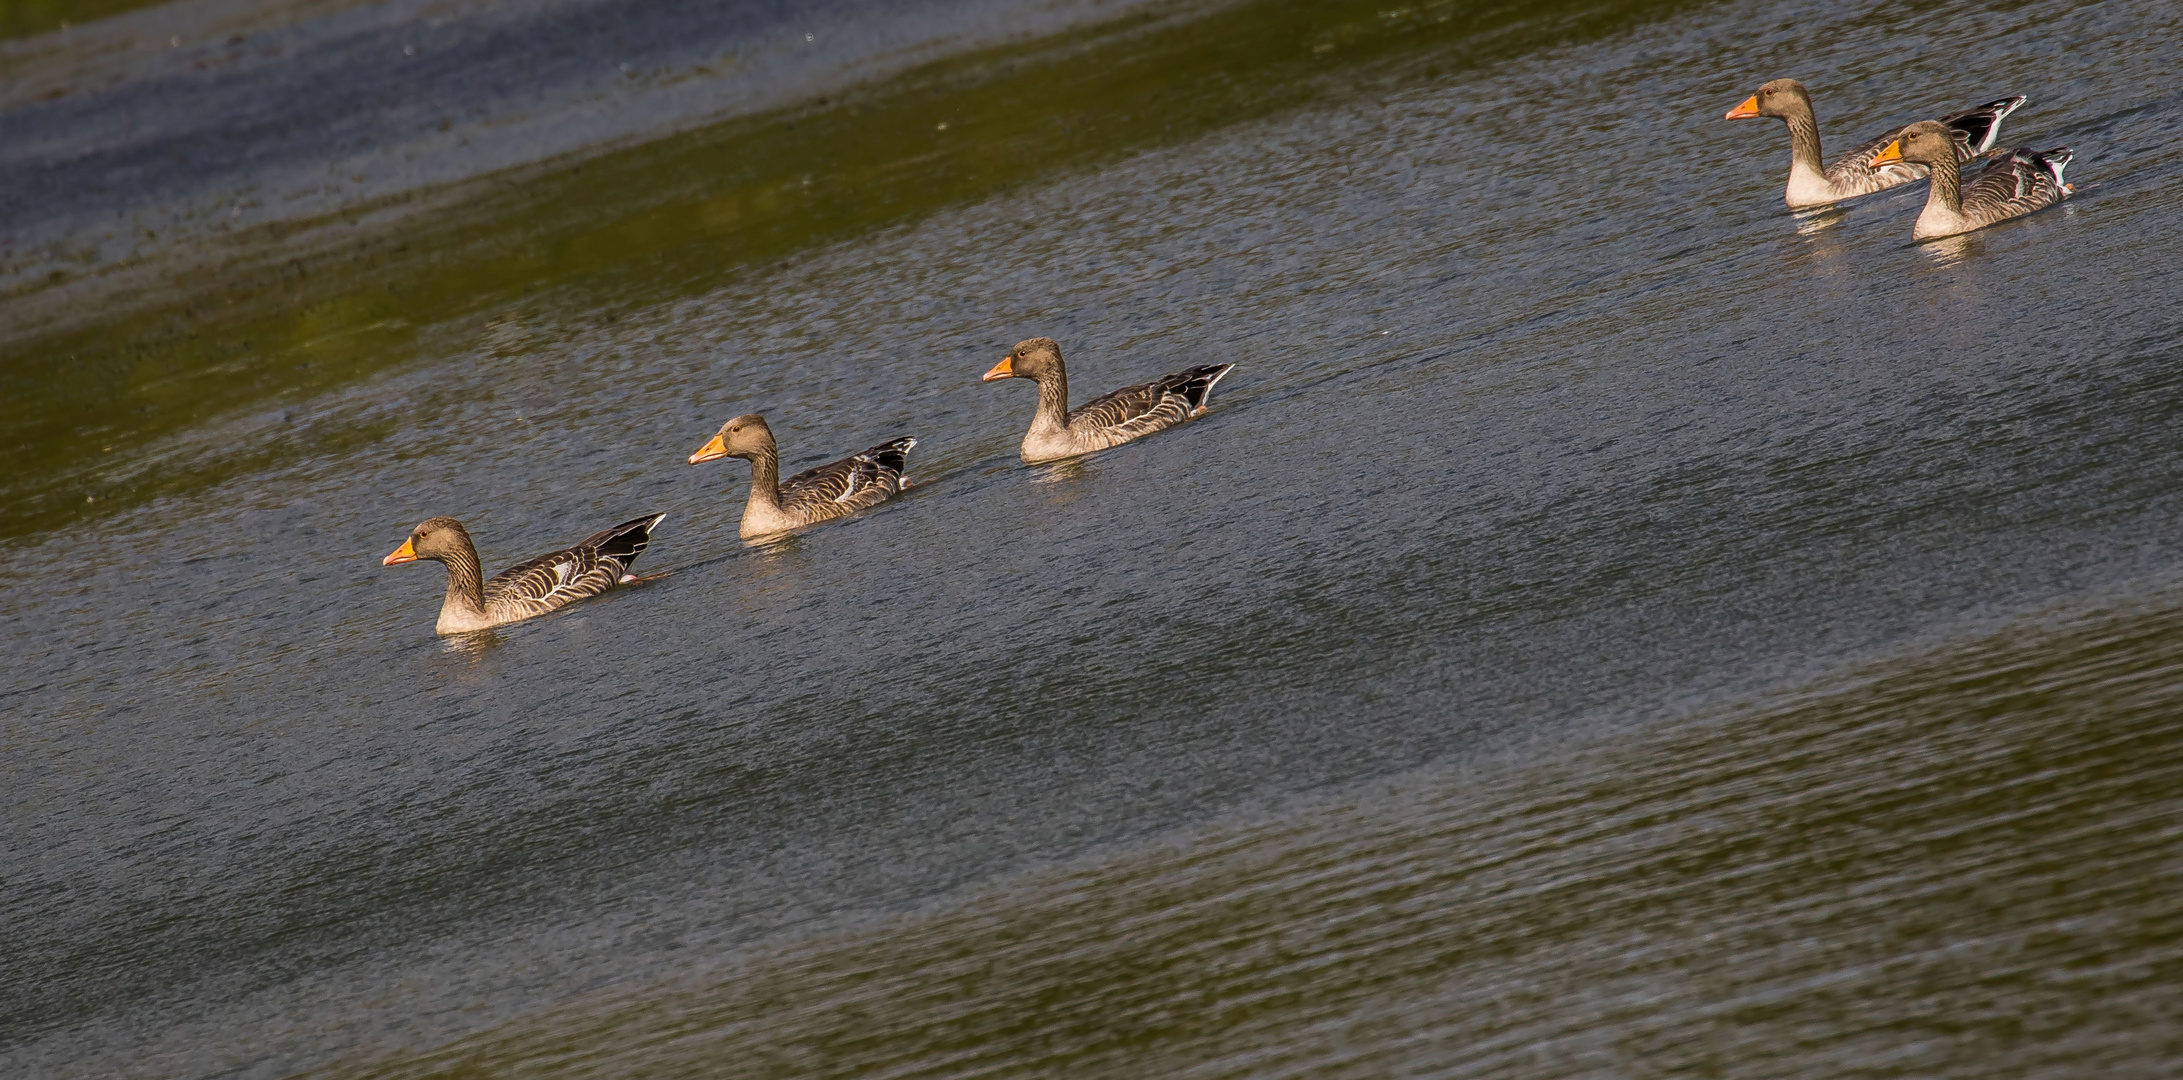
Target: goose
{"x": 822, "y": 494}
{"x": 1131, "y": 412}
{"x": 2022, "y": 181}
{"x": 591, "y": 566}
{"x": 1856, "y": 173}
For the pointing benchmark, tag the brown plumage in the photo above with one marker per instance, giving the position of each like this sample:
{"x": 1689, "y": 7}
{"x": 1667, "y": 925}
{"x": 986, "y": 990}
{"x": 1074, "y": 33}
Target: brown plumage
{"x": 1856, "y": 173}
{"x": 1058, "y": 431}
{"x": 822, "y": 494}
{"x": 592, "y": 566}
{"x": 2022, "y": 181}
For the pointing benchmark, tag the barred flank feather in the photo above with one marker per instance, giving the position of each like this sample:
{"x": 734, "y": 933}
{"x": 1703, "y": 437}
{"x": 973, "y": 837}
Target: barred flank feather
{"x": 595, "y": 564}
{"x": 850, "y": 484}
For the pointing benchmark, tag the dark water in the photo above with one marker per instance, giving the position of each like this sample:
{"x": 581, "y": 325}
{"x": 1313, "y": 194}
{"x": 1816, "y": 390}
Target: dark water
{"x": 200, "y": 120}
{"x": 1606, "y": 626}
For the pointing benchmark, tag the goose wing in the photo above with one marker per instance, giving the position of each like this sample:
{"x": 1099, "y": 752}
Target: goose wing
{"x": 550, "y": 581}
{"x": 624, "y": 542}
{"x": 2018, "y": 183}
{"x": 1982, "y": 125}
{"x": 857, "y": 480}
{"x": 1148, "y": 407}
{"x": 590, "y": 567}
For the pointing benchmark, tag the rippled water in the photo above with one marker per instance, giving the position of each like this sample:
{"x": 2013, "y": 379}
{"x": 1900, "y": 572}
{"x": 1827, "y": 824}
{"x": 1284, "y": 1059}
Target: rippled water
{"x": 1606, "y": 625}
{"x": 190, "y": 122}
{"x": 1981, "y": 844}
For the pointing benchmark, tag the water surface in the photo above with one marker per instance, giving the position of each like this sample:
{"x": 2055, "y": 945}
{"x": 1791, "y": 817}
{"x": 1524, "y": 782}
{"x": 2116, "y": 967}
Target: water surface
{"x": 1606, "y": 625}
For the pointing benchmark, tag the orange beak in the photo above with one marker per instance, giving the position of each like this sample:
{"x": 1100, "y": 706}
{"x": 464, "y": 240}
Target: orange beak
{"x": 717, "y": 447}
{"x": 1889, "y": 154}
{"x": 1745, "y": 111}
{"x": 1006, "y": 369}
{"x": 406, "y": 553}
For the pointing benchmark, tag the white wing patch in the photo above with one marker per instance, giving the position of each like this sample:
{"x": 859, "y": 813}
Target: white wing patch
{"x": 564, "y": 572}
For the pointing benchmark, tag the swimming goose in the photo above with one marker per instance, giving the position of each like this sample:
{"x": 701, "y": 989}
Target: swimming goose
{"x": 1133, "y": 411}
{"x": 595, "y": 564}
{"x": 2023, "y": 181}
{"x": 822, "y": 494}
{"x": 1856, "y": 173}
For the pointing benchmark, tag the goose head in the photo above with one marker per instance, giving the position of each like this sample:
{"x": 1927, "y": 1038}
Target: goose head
{"x": 436, "y": 539}
{"x": 1032, "y": 358}
{"x": 1927, "y": 142}
{"x": 1781, "y": 99}
{"x": 746, "y": 436}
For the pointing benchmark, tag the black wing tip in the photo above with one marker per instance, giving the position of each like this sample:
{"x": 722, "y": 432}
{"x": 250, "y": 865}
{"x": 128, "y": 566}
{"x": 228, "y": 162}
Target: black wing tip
{"x": 626, "y": 541}
{"x": 1994, "y": 111}
{"x": 1208, "y": 375}
{"x": 893, "y": 454}
{"x": 1982, "y": 125}
{"x": 2055, "y": 161}
{"x": 2059, "y": 155}
{"x": 1196, "y": 384}
{"x": 643, "y": 525}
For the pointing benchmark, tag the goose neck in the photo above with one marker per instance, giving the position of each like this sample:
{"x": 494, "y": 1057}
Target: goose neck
{"x": 1053, "y": 401}
{"x": 765, "y": 478}
{"x": 1804, "y": 153}
{"x": 1946, "y": 193}
{"x": 465, "y": 581}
